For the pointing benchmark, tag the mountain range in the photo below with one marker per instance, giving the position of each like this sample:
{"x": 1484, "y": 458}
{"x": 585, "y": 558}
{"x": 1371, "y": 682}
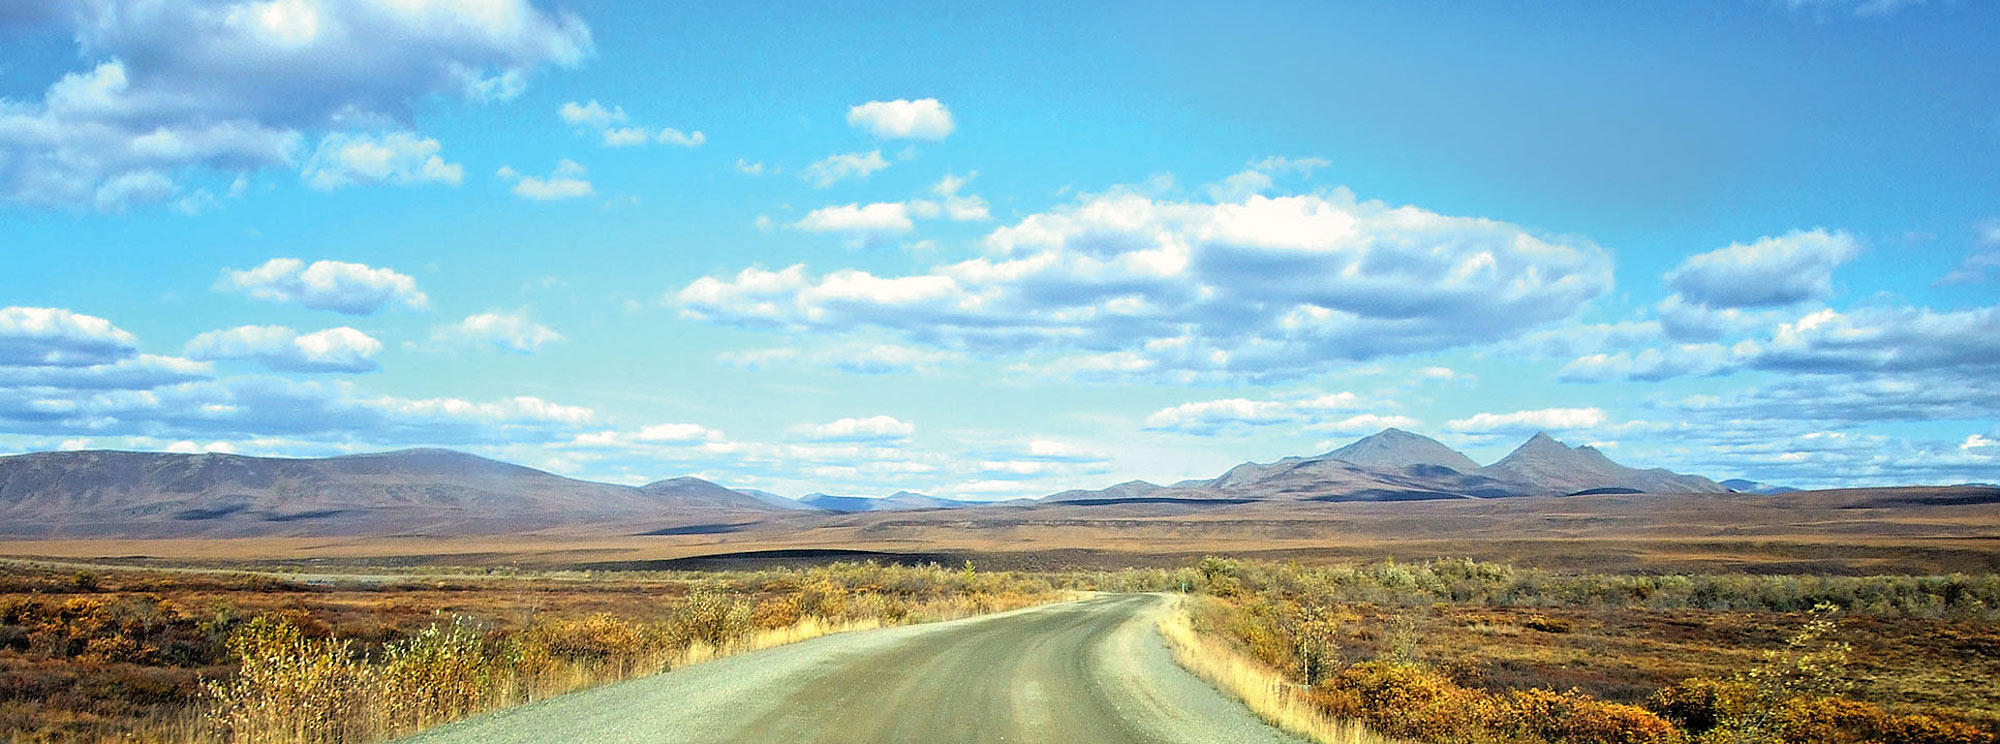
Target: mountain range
{"x": 431, "y": 491}
{"x": 1396, "y": 465}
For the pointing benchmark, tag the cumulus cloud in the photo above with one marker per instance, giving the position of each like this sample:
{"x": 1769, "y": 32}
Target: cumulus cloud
{"x": 504, "y": 331}
{"x": 870, "y": 429}
{"x": 177, "y": 92}
{"x": 1271, "y": 287}
{"x": 47, "y": 336}
{"x": 1882, "y": 340}
{"x": 924, "y": 119}
{"x": 836, "y": 168}
{"x": 868, "y": 224}
{"x": 614, "y": 129}
{"x": 348, "y": 288}
{"x": 1558, "y": 419}
{"x": 402, "y": 158}
{"x": 1206, "y": 418}
{"x": 1782, "y": 270}
{"x": 279, "y": 348}
{"x": 565, "y": 182}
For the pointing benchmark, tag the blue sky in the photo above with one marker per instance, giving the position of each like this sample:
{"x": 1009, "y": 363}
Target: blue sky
{"x": 1003, "y": 250}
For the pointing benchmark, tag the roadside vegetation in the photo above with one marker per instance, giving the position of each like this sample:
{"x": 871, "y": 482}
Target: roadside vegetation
{"x": 1462, "y": 652}
{"x": 145, "y": 657}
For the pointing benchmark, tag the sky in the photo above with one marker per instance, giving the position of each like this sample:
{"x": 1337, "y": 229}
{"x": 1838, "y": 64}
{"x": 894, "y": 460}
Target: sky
{"x": 992, "y": 250}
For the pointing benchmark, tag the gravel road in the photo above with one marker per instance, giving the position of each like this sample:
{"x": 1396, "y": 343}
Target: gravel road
{"x": 1088, "y": 672}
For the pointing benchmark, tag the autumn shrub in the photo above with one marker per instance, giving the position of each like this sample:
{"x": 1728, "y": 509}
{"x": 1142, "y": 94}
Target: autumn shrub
{"x": 1406, "y": 700}
{"x": 291, "y": 689}
{"x": 442, "y": 673}
{"x": 1698, "y": 704}
{"x": 1575, "y": 718}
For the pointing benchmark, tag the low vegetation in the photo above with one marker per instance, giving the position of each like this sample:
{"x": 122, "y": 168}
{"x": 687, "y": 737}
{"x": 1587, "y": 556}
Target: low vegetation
{"x": 1461, "y": 652}
{"x": 151, "y": 657}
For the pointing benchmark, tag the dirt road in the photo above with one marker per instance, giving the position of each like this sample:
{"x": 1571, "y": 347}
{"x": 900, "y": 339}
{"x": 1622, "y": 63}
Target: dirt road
{"x": 1088, "y": 672}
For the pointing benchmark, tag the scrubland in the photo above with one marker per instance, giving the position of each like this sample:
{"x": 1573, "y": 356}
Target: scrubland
{"x": 1450, "y": 651}
{"x": 160, "y": 657}
{"x": 1480, "y": 653}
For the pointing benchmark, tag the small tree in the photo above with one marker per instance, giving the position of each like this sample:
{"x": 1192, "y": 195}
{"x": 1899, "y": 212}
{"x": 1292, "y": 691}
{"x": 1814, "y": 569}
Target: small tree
{"x": 1813, "y": 663}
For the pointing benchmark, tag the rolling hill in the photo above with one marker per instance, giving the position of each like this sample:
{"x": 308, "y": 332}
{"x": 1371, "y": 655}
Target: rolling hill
{"x": 108, "y": 493}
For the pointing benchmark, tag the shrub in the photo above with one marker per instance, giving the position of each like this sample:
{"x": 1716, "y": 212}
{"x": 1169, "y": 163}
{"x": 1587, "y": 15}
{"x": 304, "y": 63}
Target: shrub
{"x": 290, "y": 689}
{"x": 441, "y": 673}
{"x": 1575, "y": 718}
{"x": 1547, "y": 624}
{"x": 1699, "y": 704}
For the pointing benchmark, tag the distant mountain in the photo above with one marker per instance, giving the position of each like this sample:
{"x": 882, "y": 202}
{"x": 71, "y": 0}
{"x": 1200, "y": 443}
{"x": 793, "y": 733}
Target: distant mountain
{"x": 1396, "y": 465}
{"x": 1750, "y": 486}
{"x": 898, "y": 501}
{"x": 1131, "y": 489}
{"x": 1395, "y": 448}
{"x": 420, "y": 491}
{"x": 1553, "y": 467}
{"x": 775, "y": 501}
{"x": 695, "y": 492}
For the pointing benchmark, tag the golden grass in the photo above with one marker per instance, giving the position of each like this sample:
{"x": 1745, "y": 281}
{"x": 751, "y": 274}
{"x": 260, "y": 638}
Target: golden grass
{"x": 1267, "y": 693}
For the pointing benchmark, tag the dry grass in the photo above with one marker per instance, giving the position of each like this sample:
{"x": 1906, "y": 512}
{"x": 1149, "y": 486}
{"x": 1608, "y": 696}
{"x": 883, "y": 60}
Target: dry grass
{"x": 1277, "y": 700}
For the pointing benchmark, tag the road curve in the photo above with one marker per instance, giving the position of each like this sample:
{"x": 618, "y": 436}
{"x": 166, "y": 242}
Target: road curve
{"x": 1088, "y": 672}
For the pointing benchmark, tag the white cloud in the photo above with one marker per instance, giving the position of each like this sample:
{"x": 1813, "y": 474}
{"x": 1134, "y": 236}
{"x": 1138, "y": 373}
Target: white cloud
{"x": 1365, "y": 423}
{"x": 1648, "y": 364}
{"x": 749, "y": 168}
{"x": 1269, "y": 287}
{"x": 613, "y": 126}
{"x": 650, "y": 436}
{"x": 679, "y": 138}
{"x": 565, "y": 182}
{"x": 870, "y": 429}
{"x": 1523, "y": 421}
{"x": 181, "y": 92}
{"x": 279, "y": 348}
{"x": 593, "y": 114}
{"x": 138, "y": 372}
{"x": 1783, "y": 270}
{"x": 349, "y": 288}
{"x": 961, "y": 207}
{"x": 267, "y": 406}
{"x": 1211, "y": 417}
{"x": 1882, "y": 340}
{"x": 504, "y": 331}
{"x": 401, "y": 158}
{"x": 1517, "y": 421}
{"x": 867, "y": 224}
{"x": 924, "y": 119}
{"x": 47, "y": 336}
{"x": 1827, "y": 341}
{"x": 836, "y": 168}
